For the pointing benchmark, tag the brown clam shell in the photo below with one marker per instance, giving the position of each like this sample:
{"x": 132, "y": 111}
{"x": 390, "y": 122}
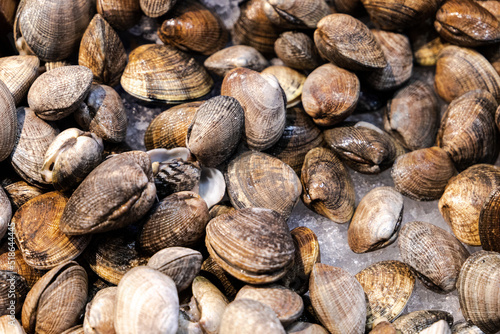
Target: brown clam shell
{"x": 300, "y": 12}
{"x": 10, "y": 123}
{"x": 18, "y": 73}
{"x": 235, "y": 56}
{"x": 489, "y": 222}
{"x": 120, "y": 14}
{"x": 5, "y": 212}
{"x": 462, "y": 326}
{"x": 228, "y": 284}
{"x": 414, "y": 322}
{"x": 156, "y": 8}
{"x": 297, "y": 50}
{"x": 30, "y": 274}
{"x": 20, "y": 192}
{"x": 13, "y": 290}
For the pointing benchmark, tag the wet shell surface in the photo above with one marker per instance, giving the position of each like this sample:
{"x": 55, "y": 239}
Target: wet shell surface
{"x": 463, "y": 327}
{"x": 18, "y": 73}
{"x": 415, "y": 322}
{"x": 489, "y": 222}
{"x": 235, "y": 56}
{"x": 10, "y": 127}
{"x": 376, "y": 221}
{"x": 20, "y": 192}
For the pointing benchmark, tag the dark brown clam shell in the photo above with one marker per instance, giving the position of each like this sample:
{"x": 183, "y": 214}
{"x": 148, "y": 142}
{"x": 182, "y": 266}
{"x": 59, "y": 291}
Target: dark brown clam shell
{"x": 297, "y": 50}
{"x": 489, "y": 223}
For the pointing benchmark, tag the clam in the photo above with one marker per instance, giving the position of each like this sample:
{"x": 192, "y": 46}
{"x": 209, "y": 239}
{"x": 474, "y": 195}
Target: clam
{"x": 327, "y": 186}
{"x": 382, "y": 326}
{"x": 5, "y": 212}
{"x": 38, "y": 236}
{"x": 376, "y": 221}
{"x": 235, "y": 56}
{"x": 300, "y": 136}
{"x": 263, "y": 102}
{"x": 338, "y": 299}
{"x": 220, "y": 209}
{"x": 439, "y": 327}
{"x": 297, "y": 50}
{"x": 479, "y": 290}
{"x": 177, "y": 220}
{"x": 156, "y": 8}
{"x": 363, "y": 147}
{"x": 489, "y": 227}
{"x": 103, "y": 114}
{"x": 426, "y": 48}
{"x": 291, "y": 81}
{"x": 52, "y": 65}
{"x": 307, "y": 253}
{"x": 93, "y": 207}
{"x": 78, "y": 329}
{"x": 13, "y": 290}
{"x": 466, "y": 23}
{"x": 330, "y": 94}
{"x": 257, "y": 179}
{"x": 10, "y": 326}
{"x": 412, "y": 116}
{"x": 227, "y": 283}
{"x": 120, "y": 14}
{"x": 14, "y": 261}
{"x": 57, "y": 93}
{"x": 460, "y": 70}
{"x": 176, "y": 175}
{"x": 169, "y": 129}
{"x": 20, "y": 192}
{"x": 102, "y": 51}
{"x": 305, "y": 13}
{"x": 192, "y": 26}
{"x": 146, "y": 302}
{"x": 415, "y": 322}
{"x": 463, "y": 327}
{"x": 433, "y": 253}
{"x": 287, "y": 304}
{"x": 399, "y": 57}
{"x": 99, "y": 313}
{"x": 468, "y": 132}
{"x": 34, "y": 136}
{"x": 10, "y": 126}
{"x": 246, "y": 316}
{"x": 348, "y": 43}
{"x": 211, "y": 302}
{"x": 18, "y": 73}
{"x": 252, "y": 244}
{"x": 163, "y": 73}
{"x": 423, "y": 174}
{"x": 215, "y": 131}
{"x": 55, "y": 302}
{"x": 388, "y": 286}
{"x": 179, "y": 263}
{"x": 305, "y": 328}
{"x": 491, "y": 5}
{"x": 463, "y": 199}
{"x": 52, "y": 29}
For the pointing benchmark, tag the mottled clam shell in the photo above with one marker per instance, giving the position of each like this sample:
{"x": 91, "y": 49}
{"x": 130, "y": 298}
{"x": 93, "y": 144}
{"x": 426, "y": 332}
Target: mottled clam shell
{"x": 179, "y": 263}
{"x": 338, "y": 299}
{"x": 120, "y": 14}
{"x": 291, "y": 81}
{"x": 163, "y": 73}
{"x": 348, "y": 43}
{"x": 5, "y": 212}
{"x": 235, "y": 56}
{"x": 13, "y": 290}
{"x": 176, "y": 175}
{"x": 211, "y": 303}
{"x": 305, "y": 328}
{"x": 388, "y": 286}
{"x": 10, "y": 326}
{"x": 489, "y": 219}
{"x": 259, "y": 180}
{"x": 10, "y": 123}
{"x": 99, "y": 313}
{"x": 415, "y": 322}
{"x": 20, "y": 192}
{"x": 433, "y": 253}
{"x": 18, "y": 73}
{"x": 156, "y": 8}
{"x": 327, "y": 186}
{"x": 146, "y": 302}
{"x": 464, "y": 197}
{"x": 128, "y": 178}
{"x": 423, "y": 174}
{"x": 479, "y": 290}
{"x": 252, "y": 244}
{"x": 297, "y": 50}
{"x": 376, "y": 221}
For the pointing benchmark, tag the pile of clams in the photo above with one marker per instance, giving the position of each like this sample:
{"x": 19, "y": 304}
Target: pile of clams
{"x": 167, "y": 169}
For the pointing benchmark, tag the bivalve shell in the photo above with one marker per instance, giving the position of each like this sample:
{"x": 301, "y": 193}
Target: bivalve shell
{"x": 415, "y": 322}
{"x": 297, "y": 50}
{"x": 489, "y": 222}
{"x": 10, "y": 123}
{"x": 120, "y": 14}
{"x": 235, "y": 56}
{"x": 18, "y": 73}
{"x": 99, "y": 313}
{"x": 291, "y": 81}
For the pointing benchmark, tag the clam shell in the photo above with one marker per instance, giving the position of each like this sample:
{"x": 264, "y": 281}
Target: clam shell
{"x": 463, "y": 199}
{"x": 249, "y": 177}
{"x": 211, "y": 303}
{"x": 327, "y": 186}
{"x": 20, "y": 192}
{"x": 415, "y": 322}
{"x": 338, "y": 299}
{"x": 13, "y": 290}
{"x": 227, "y": 283}
{"x": 5, "y": 212}
{"x": 463, "y": 327}
{"x": 156, "y": 8}
{"x": 30, "y": 274}
{"x": 176, "y": 175}
{"x": 291, "y": 81}
{"x": 382, "y": 326}
{"x": 434, "y": 253}
{"x": 479, "y": 290}
{"x": 99, "y": 313}
{"x": 297, "y": 50}
{"x": 439, "y": 327}
{"x": 300, "y": 12}
{"x": 235, "y": 56}
{"x": 74, "y": 330}
{"x": 305, "y": 328}
{"x": 489, "y": 218}
{"x": 376, "y": 221}
{"x": 18, "y": 73}
{"x": 163, "y": 73}
{"x": 10, "y": 326}
{"x": 258, "y": 251}
{"x": 120, "y": 14}
{"x": 10, "y": 126}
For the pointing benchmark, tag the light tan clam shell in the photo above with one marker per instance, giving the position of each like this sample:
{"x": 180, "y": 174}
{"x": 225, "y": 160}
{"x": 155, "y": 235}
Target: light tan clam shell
{"x": 297, "y": 50}
{"x": 10, "y": 127}
{"x": 301, "y": 12}
{"x": 156, "y": 8}
{"x": 99, "y": 313}
{"x": 74, "y": 330}
{"x": 211, "y": 302}
{"x": 10, "y": 326}
{"x": 415, "y": 322}
{"x": 291, "y": 81}
{"x": 18, "y": 73}
{"x": 235, "y": 56}
{"x": 305, "y": 328}
{"x": 439, "y": 327}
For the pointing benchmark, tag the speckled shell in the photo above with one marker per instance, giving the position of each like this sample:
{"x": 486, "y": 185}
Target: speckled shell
{"x": 297, "y": 50}
{"x": 163, "y": 73}
{"x": 460, "y": 70}
{"x": 489, "y": 222}
{"x": 215, "y": 131}
{"x": 388, "y": 286}
{"x": 415, "y": 322}
{"x": 179, "y": 263}
{"x": 338, "y": 299}
{"x": 13, "y": 290}
{"x": 376, "y": 221}
{"x": 348, "y": 43}
{"x": 300, "y": 12}
{"x": 38, "y": 236}
{"x": 115, "y": 194}
{"x": 192, "y": 26}
{"x": 235, "y": 56}
{"x": 287, "y": 304}
{"x": 55, "y": 302}
{"x": 99, "y": 312}
{"x": 412, "y": 116}
{"x": 9, "y": 126}
{"x": 290, "y": 81}
{"x": 464, "y": 197}
{"x": 422, "y": 175}
{"x": 178, "y": 220}
{"x": 479, "y": 290}
{"x": 330, "y": 94}
{"x": 156, "y": 8}
{"x": 263, "y": 102}
{"x": 257, "y": 179}
{"x": 434, "y": 253}
{"x": 253, "y": 244}
{"x": 120, "y": 14}
{"x": 211, "y": 303}
{"x": 18, "y": 73}
{"x": 57, "y": 93}
{"x": 102, "y": 51}
{"x": 327, "y": 186}
{"x": 468, "y": 132}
